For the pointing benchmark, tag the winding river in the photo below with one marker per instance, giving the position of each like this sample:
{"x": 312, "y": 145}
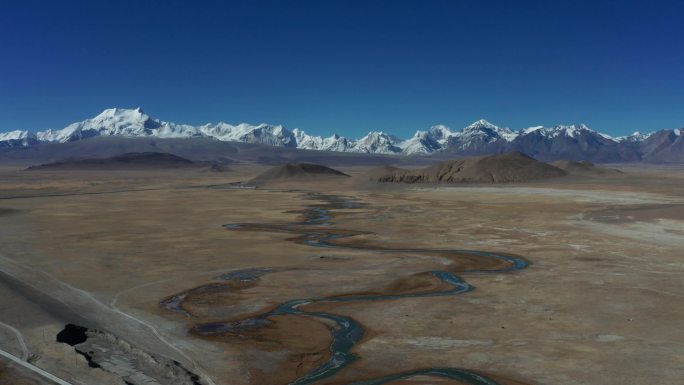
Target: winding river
{"x": 314, "y": 230}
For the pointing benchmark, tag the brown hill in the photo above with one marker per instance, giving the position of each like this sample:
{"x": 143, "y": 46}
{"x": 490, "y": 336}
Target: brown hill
{"x": 504, "y": 168}
{"x": 297, "y": 171}
{"x": 132, "y": 160}
{"x": 583, "y": 167}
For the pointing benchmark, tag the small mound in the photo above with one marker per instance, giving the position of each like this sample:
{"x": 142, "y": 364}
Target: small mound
{"x": 583, "y": 167}
{"x": 132, "y": 160}
{"x": 504, "y": 168}
{"x": 297, "y": 171}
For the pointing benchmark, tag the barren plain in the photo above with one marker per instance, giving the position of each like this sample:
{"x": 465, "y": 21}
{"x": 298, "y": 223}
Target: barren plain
{"x": 182, "y": 276}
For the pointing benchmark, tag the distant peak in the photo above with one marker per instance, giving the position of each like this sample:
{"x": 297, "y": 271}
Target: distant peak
{"x": 481, "y": 123}
{"x": 566, "y": 127}
{"x": 108, "y": 112}
{"x": 111, "y": 112}
{"x": 532, "y": 129}
{"x": 376, "y": 134}
{"x": 440, "y": 127}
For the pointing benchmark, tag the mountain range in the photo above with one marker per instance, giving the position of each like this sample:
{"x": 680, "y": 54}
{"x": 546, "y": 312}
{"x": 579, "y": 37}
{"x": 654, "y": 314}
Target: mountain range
{"x": 576, "y": 142}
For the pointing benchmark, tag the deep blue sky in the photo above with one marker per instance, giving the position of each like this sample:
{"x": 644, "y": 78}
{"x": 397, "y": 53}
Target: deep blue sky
{"x": 346, "y": 66}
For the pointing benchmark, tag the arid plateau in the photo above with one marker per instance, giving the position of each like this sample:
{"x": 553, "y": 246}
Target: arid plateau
{"x": 186, "y": 275}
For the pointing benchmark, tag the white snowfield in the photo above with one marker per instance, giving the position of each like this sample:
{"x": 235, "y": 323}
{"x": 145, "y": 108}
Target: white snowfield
{"x": 136, "y": 123}
{"x": 14, "y": 135}
{"x": 17, "y": 138}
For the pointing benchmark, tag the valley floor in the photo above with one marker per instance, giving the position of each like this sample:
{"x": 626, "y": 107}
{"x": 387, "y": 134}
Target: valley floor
{"x": 600, "y": 302}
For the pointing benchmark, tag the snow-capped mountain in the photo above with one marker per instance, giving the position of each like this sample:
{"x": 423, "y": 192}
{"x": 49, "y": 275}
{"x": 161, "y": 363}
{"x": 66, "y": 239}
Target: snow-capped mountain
{"x": 489, "y": 131}
{"x": 560, "y": 130}
{"x": 136, "y": 123}
{"x": 576, "y": 142}
{"x": 113, "y": 121}
{"x": 636, "y": 136}
{"x": 427, "y": 142}
{"x": 663, "y": 146}
{"x": 261, "y": 134}
{"x": 331, "y": 143}
{"x": 17, "y": 138}
{"x": 481, "y": 137}
{"x": 377, "y": 143}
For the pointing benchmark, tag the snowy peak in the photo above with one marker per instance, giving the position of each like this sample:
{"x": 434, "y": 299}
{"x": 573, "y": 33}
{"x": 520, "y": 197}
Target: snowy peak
{"x": 17, "y": 138}
{"x": 572, "y": 131}
{"x": 377, "y": 142}
{"x": 532, "y": 129}
{"x": 470, "y": 138}
{"x": 483, "y": 130}
{"x": 112, "y": 121}
{"x": 480, "y": 124}
{"x": 118, "y": 118}
{"x": 636, "y": 136}
{"x": 439, "y": 132}
{"x": 427, "y": 142}
{"x": 479, "y": 137}
{"x": 265, "y": 134}
{"x": 331, "y": 143}
{"x": 121, "y": 113}
{"x": 14, "y": 135}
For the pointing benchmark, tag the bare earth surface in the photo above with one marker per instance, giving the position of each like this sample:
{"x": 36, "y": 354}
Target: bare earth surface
{"x": 144, "y": 259}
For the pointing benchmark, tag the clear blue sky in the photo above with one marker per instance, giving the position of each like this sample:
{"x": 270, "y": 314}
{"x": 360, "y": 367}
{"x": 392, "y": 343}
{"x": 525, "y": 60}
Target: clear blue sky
{"x": 346, "y": 66}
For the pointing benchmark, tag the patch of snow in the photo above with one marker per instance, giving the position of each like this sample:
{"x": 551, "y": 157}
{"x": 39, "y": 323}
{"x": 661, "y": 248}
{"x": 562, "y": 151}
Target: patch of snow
{"x": 485, "y": 128}
{"x": 17, "y": 138}
{"x": 636, "y": 136}
{"x": 529, "y": 130}
{"x": 13, "y": 135}
{"x": 377, "y": 142}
